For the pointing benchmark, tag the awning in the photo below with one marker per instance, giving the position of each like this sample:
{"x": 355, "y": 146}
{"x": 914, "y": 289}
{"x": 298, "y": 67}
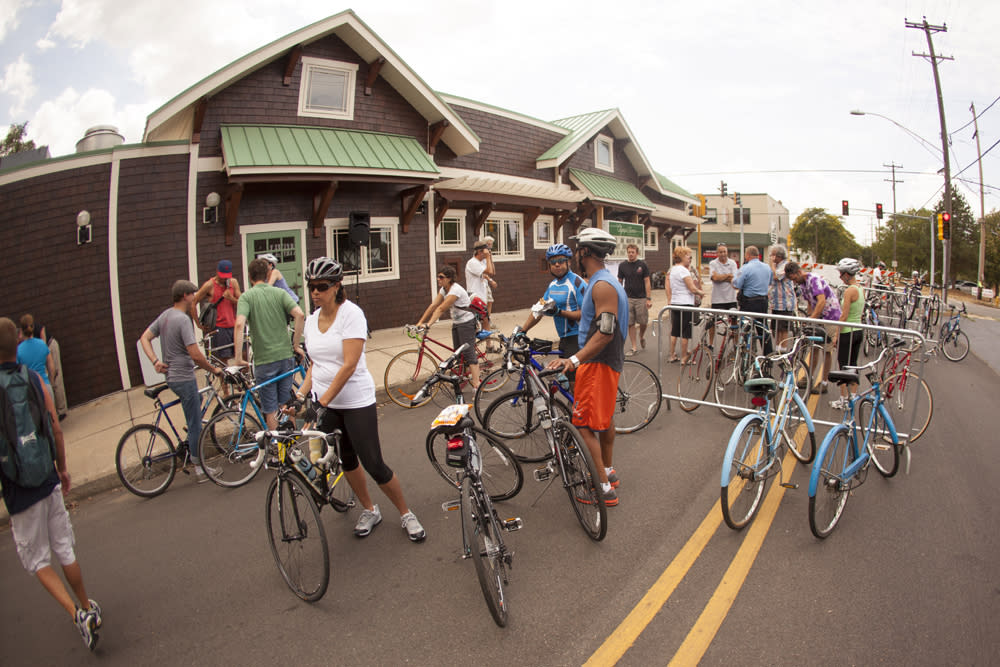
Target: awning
{"x": 287, "y": 150}
{"x": 508, "y": 190}
{"x": 607, "y": 190}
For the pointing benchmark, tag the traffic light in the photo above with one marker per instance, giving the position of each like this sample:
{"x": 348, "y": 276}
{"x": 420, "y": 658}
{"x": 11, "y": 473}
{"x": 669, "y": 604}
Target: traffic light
{"x": 843, "y": 207}
{"x": 723, "y": 188}
{"x": 944, "y": 226}
{"x": 736, "y": 198}
{"x": 878, "y": 211}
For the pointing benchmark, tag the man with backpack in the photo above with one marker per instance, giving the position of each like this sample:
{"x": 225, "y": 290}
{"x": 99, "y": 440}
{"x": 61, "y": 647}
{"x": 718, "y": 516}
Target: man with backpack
{"x": 34, "y": 478}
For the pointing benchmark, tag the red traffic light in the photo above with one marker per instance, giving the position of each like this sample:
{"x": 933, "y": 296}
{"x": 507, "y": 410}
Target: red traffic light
{"x": 843, "y": 207}
{"x": 946, "y": 217}
{"x": 878, "y": 211}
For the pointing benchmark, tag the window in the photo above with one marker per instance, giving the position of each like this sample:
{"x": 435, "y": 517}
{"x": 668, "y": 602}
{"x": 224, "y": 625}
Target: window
{"x": 378, "y": 260}
{"x": 711, "y": 216}
{"x": 738, "y": 212}
{"x": 652, "y": 238}
{"x": 327, "y": 88}
{"x": 544, "y": 224}
{"x": 507, "y": 230}
{"x": 604, "y": 153}
{"x": 451, "y": 231}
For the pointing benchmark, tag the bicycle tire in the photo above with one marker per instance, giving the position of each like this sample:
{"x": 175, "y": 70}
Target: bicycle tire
{"x": 695, "y": 378}
{"x": 489, "y": 354}
{"x": 954, "y": 344}
{"x": 803, "y": 379}
{"x": 747, "y": 479}
{"x": 727, "y": 386}
{"x": 883, "y": 451}
{"x": 501, "y": 474}
{"x": 406, "y": 373}
{"x": 638, "y": 399}
{"x": 827, "y": 505}
{"x": 899, "y": 397}
{"x": 512, "y": 417}
{"x": 583, "y": 485}
{"x": 145, "y": 460}
{"x": 487, "y": 388}
{"x": 483, "y": 533}
{"x": 228, "y": 449}
{"x": 805, "y": 450}
{"x": 296, "y": 535}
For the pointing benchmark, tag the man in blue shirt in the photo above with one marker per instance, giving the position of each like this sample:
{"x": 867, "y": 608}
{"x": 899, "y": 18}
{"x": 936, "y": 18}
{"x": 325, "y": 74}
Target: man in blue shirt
{"x": 753, "y": 281}
{"x": 562, "y": 300}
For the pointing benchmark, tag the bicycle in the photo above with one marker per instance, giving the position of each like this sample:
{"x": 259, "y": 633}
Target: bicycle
{"x": 294, "y": 500}
{"x": 841, "y": 465}
{"x": 146, "y": 459}
{"x": 952, "y": 341}
{"x": 482, "y": 528}
{"x": 904, "y": 391}
{"x": 756, "y": 446}
{"x": 567, "y": 451}
{"x": 407, "y": 372}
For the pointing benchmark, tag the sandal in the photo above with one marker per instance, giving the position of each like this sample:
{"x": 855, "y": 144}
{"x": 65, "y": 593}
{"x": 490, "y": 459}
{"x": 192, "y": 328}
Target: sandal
{"x": 674, "y": 360}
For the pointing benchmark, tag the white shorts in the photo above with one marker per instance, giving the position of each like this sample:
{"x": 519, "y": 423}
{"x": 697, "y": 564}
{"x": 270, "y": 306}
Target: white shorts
{"x": 42, "y": 530}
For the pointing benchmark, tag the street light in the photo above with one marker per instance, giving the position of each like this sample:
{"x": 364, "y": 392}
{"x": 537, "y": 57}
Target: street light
{"x": 927, "y": 144}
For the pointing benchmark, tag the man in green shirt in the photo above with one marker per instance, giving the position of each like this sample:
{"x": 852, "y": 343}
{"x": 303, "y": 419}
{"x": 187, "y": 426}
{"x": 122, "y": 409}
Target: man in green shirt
{"x": 266, "y": 309}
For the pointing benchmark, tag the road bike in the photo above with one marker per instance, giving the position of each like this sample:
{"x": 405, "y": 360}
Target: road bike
{"x": 952, "y": 341}
{"x": 407, "y": 372}
{"x": 866, "y": 435}
{"x": 757, "y": 445}
{"x": 482, "y": 527}
{"x": 905, "y": 394}
{"x": 308, "y": 479}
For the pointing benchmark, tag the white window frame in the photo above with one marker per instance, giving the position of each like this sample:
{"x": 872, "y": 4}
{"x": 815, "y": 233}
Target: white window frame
{"x": 600, "y": 140}
{"x": 500, "y": 251}
{"x": 540, "y": 243}
{"x": 310, "y": 65}
{"x": 378, "y": 224}
{"x": 652, "y": 233}
{"x": 457, "y": 215}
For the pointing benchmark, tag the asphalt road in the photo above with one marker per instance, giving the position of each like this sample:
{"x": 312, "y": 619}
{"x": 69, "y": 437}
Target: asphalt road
{"x": 909, "y": 576}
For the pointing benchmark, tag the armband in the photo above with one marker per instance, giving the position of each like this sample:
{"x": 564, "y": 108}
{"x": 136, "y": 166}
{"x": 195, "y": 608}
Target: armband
{"x": 606, "y": 323}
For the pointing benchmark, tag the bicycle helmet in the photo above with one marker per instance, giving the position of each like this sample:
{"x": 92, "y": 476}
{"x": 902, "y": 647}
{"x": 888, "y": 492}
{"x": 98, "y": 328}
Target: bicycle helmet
{"x": 558, "y": 250}
{"x": 597, "y": 240}
{"x": 271, "y": 259}
{"x": 324, "y": 268}
{"x": 881, "y": 265}
{"x": 849, "y": 265}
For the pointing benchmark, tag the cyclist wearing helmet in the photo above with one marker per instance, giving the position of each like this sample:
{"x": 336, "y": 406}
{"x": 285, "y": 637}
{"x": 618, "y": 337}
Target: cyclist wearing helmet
{"x": 339, "y": 381}
{"x": 603, "y": 327}
{"x": 562, "y": 300}
{"x": 851, "y": 308}
{"x": 274, "y": 276}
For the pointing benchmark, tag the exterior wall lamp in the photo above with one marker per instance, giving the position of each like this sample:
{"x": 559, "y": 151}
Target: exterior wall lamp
{"x": 83, "y": 228}
{"x": 210, "y": 214}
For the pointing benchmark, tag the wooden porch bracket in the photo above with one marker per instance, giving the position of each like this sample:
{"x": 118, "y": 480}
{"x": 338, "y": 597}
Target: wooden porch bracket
{"x": 560, "y": 219}
{"x": 440, "y": 208}
{"x": 479, "y": 214}
{"x": 408, "y": 210}
{"x": 199, "y": 118}
{"x": 373, "y": 69}
{"x": 583, "y": 209}
{"x": 294, "y": 56}
{"x": 321, "y": 204}
{"x": 644, "y": 219}
{"x": 530, "y": 215}
{"x": 233, "y": 196}
{"x": 437, "y": 129}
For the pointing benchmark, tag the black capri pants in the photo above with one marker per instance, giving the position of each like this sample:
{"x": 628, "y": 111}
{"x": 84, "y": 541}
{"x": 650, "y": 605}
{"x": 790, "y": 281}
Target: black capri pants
{"x": 680, "y": 323}
{"x": 359, "y": 443}
{"x": 465, "y": 332}
{"x": 848, "y": 347}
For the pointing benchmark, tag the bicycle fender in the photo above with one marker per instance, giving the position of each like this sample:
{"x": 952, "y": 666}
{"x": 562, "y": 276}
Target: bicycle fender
{"x": 804, "y": 411}
{"x": 734, "y": 440}
{"x": 888, "y": 422}
{"x": 820, "y": 455}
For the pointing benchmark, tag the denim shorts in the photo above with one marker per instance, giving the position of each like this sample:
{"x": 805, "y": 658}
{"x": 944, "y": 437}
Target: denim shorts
{"x": 276, "y": 392}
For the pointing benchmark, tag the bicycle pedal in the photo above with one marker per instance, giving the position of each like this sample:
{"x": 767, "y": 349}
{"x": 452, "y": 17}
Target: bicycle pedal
{"x": 512, "y": 524}
{"x": 451, "y": 505}
{"x": 789, "y": 485}
{"x": 542, "y": 474}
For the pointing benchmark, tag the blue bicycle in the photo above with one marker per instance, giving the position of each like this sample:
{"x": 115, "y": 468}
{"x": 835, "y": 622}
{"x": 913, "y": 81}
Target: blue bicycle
{"x": 865, "y": 436}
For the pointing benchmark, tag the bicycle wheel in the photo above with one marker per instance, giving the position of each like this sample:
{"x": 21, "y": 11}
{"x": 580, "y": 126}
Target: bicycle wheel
{"x": 512, "y": 417}
{"x": 747, "y": 474}
{"x": 639, "y": 397}
{"x": 908, "y": 398}
{"x": 935, "y": 311}
{"x": 883, "y": 451}
{"x": 298, "y": 541}
{"x": 954, "y": 344}
{"x": 145, "y": 460}
{"x": 501, "y": 474}
{"x": 228, "y": 449}
{"x": 582, "y": 482}
{"x": 406, "y": 373}
{"x": 827, "y": 506}
{"x": 482, "y": 532}
{"x": 695, "y": 378}
{"x": 487, "y": 390}
{"x": 489, "y": 354}
{"x": 805, "y": 450}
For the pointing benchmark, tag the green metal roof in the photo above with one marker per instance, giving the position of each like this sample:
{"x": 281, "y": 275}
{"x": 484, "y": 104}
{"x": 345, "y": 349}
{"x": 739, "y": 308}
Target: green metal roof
{"x": 607, "y": 188}
{"x": 667, "y": 184}
{"x": 297, "y": 146}
{"x": 587, "y": 123}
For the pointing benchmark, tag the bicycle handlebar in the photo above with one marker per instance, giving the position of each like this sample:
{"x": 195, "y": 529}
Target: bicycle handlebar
{"x": 440, "y": 375}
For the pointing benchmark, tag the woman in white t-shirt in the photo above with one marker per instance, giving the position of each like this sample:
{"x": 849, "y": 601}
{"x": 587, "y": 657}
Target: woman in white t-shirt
{"x": 681, "y": 291}
{"x": 452, "y": 297}
{"x": 344, "y": 392}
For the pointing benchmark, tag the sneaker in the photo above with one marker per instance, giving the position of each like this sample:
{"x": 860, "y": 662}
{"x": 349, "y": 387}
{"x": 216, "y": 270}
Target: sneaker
{"x": 199, "y": 472}
{"x": 367, "y": 522}
{"x": 412, "y": 527}
{"x": 823, "y": 388}
{"x": 86, "y": 623}
{"x": 610, "y": 498}
{"x": 95, "y": 609}
{"x": 839, "y": 404}
{"x": 613, "y": 478}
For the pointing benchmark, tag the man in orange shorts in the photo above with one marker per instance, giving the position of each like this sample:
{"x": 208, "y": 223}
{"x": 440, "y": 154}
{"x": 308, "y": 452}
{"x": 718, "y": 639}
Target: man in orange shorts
{"x": 603, "y": 328}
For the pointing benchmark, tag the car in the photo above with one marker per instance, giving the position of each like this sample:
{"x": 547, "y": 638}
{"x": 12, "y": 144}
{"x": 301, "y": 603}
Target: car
{"x": 966, "y": 286}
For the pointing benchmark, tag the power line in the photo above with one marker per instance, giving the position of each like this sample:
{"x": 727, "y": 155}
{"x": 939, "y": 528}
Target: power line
{"x": 977, "y": 117}
{"x": 980, "y": 157}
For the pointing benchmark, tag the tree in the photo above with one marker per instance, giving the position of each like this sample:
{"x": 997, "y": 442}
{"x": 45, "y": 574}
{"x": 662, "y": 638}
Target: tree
{"x": 14, "y": 141}
{"x": 964, "y": 238}
{"x": 991, "y": 267}
{"x": 824, "y": 235}
{"x": 913, "y": 234}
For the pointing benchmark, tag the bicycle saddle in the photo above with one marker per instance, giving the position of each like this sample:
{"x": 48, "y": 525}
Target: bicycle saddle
{"x": 843, "y": 377}
{"x": 762, "y": 386}
{"x": 153, "y": 392}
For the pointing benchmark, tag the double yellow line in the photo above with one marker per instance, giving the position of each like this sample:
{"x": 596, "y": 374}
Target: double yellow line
{"x": 708, "y": 623}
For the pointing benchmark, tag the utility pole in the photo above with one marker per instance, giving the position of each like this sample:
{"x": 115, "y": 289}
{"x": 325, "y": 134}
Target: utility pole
{"x": 894, "y": 167}
{"x": 980, "y": 275}
{"x": 928, "y": 30}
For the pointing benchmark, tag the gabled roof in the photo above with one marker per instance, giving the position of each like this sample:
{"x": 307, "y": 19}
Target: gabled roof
{"x": 610, "y": 190}
{"x": 670, "y": 186}
{"x": 170, "y": 120}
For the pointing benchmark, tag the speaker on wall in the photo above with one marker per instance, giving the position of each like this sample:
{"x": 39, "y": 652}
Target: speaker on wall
{"x": 359, "y": 224}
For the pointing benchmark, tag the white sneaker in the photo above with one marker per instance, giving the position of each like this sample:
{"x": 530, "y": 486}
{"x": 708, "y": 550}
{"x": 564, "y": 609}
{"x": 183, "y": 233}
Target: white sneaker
{"x": 199, "y": 473}
{"x": 839, "y": 404}
{"x": 412, "y": 527}
{"x": 367, "y": 521}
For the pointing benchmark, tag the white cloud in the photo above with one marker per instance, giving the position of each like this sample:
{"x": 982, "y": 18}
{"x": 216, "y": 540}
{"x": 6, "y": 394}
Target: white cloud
{"x": 18, "y": 82}
{"x": 8, "y": 15}
{"x": 44, "y": 44}
{"x": 62, "y": 121}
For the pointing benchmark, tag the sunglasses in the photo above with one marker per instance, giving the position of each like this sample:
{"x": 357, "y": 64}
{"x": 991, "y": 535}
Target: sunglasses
{"x": 319, "y": 287}
{"x": 442, "y": 277}
{"x": 553, "y": 262}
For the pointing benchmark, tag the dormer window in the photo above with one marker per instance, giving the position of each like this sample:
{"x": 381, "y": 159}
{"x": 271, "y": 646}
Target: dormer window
{"x": 327, "y": 88}
{"x": 604, "y": 153}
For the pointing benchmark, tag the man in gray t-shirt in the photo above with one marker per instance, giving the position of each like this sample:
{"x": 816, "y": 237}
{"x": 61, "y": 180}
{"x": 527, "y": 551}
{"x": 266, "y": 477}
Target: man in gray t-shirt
{"x": 175, "y": 329}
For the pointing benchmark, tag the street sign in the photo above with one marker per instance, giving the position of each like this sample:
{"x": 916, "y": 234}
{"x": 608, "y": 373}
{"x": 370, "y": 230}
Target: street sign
{"x": 625, "y": 233}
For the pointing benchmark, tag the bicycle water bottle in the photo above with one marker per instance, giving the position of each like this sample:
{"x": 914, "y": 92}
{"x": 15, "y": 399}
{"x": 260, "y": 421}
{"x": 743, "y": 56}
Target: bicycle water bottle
{"x": 304, "y": 465}
{"x": 541, "y": 409}
{"x": 563, "y": 381}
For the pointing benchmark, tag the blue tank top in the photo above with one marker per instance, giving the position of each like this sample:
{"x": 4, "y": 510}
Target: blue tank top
{"x": 613, "y": 354}
{"x": 280, "y": 282}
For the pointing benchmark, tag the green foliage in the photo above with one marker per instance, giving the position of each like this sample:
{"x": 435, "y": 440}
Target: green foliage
{"x": 824, "y": 235}
{"x": 14, "y": 141}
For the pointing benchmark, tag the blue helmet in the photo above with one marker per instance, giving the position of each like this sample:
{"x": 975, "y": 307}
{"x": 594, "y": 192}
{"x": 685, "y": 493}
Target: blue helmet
{"x": 558, "y": 250}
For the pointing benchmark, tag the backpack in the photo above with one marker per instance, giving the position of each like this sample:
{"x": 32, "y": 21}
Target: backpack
{"x": 477, "y": 307}
{"x": 27, "y": 447}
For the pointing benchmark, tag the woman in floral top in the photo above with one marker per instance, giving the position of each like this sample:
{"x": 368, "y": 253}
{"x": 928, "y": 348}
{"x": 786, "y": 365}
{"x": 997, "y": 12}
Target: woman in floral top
{"x": 823, "y": 305}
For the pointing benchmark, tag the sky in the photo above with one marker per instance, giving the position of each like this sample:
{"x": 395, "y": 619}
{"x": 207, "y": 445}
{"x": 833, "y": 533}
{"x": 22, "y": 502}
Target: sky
{"x": 756, "y": 94}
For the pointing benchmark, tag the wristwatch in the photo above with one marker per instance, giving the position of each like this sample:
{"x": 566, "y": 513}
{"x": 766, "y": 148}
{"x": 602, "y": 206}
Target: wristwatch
{"x": 574, "y": 361}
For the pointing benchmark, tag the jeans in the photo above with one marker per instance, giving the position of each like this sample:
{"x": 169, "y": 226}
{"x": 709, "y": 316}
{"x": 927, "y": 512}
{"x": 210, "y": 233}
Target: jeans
{"x": 276, "y": 392}
{"x": 187, "y": 391}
